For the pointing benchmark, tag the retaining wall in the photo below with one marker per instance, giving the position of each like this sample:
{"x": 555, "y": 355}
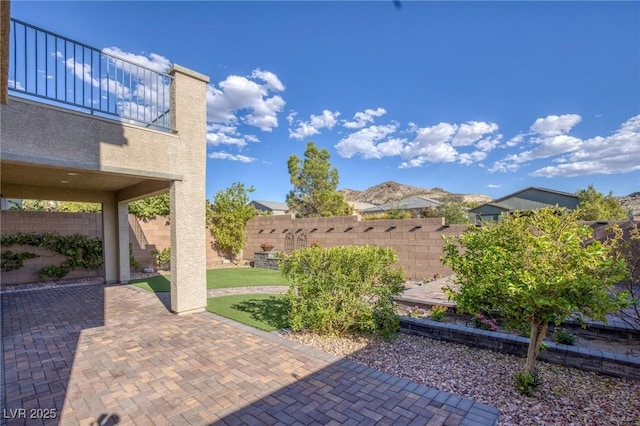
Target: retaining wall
{"x": 609, "y": 363}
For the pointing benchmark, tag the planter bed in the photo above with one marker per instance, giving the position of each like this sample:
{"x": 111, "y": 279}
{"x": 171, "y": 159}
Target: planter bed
{"x": 609, "y": 363}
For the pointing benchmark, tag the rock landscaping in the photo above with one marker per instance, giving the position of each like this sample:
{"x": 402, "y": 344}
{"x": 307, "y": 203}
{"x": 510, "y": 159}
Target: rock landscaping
{"x": 567, "y": 396}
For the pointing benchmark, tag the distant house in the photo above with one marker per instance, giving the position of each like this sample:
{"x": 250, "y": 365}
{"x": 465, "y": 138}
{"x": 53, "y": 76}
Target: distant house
{"x": 415, "y": 205}
{"x": 273, "y": 207}
{"x": 527, "y": 199}
{"x": 359, "y": 207}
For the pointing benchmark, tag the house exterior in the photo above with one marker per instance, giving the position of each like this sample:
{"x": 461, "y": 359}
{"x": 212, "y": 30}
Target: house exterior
{"x": 414, "y": 205}
{"x": 270, "y": 207}
{"x": 359, "y": 207}
{"x": 531, "y": 198}
{"x": 96, "y": 128}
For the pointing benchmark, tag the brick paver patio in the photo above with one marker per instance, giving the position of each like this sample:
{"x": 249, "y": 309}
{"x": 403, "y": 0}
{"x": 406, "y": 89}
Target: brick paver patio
{"x": 114, "y": 355}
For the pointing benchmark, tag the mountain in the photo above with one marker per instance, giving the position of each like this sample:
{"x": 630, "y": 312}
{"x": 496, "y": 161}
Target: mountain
{"x": 631, "y": 201}
{"x": 388, "y": 192}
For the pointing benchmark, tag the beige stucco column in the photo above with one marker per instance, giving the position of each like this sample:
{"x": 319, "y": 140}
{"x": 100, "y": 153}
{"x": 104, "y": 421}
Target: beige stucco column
{"x": 115, "y": 242}
{"x": 124, "y": 269}
{"x": 188, "y": 237}
{"x": 110, "y": 239}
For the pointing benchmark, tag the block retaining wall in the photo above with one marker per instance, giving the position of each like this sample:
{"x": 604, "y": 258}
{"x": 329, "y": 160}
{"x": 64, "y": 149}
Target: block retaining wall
{"x": 608, "y": 363}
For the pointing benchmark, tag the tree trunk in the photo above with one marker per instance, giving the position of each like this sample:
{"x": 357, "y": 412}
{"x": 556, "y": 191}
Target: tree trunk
{"x": 538, "y": 332}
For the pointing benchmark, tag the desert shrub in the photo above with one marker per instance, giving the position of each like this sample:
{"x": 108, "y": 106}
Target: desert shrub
{"x": 438, "y": 312}
{"x": 563, "y": 337}
{"x": 526, "y": 383}
{"x": 343, "y": 289}
{"x": 162, "y": 258}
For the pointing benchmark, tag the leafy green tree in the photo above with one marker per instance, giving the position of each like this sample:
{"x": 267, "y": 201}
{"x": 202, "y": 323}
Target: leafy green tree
{"x": 228, "y": 217}
{"x": 453, "y": 210}
{"x": 79, "y": 207}
{"x": 56, "y": 206}
{"x": 595, "y": 205}
{"x": 533, "y": 269}
{"x": 159, "y": 205}
{"x": 315, "y": 184}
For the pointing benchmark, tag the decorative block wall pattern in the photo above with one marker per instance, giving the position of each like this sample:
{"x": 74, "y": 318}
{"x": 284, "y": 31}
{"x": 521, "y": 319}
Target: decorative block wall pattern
{"x": 418, "y": 242}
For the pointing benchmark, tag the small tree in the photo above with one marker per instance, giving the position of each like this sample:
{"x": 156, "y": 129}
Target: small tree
{"x": 228, "y": 217}
{"x": 533, "y": 269}
{"x": 453, "y": 210}
{"x": 315, "y": 184}
{"x": 595, "y": 205}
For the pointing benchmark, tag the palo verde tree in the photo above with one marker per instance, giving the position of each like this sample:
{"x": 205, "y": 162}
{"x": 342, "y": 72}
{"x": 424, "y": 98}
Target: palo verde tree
{"x": 534, "y": 269}
{"x": 315, "y": 184}
{"x": 595, "y": 205}
{"x": 228, "y": 216}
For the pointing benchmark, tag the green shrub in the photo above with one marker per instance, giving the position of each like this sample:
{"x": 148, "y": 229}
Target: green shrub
{"x": 343, "y": 289}
{"x": 162, "y": 258}
{"x": 563, "y": 337}
{"x": 526, "y": 383}
{"x": 438, "y": 312}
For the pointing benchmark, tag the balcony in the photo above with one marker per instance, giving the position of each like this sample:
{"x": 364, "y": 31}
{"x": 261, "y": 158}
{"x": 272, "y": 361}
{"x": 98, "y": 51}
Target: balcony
{"x": 81, "y": 124}
{"x": 54, "y": 69}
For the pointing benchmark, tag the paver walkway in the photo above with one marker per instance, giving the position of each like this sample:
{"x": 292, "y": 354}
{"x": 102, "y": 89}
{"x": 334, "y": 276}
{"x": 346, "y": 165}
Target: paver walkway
{"x": 113, "y": 354}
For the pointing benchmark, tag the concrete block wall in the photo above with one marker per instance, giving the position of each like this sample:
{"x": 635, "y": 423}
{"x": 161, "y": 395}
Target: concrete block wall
{"x": 155, "y": 233}
{"x": 418, "y": 242}
{"x": 11, "y": 222}
{"x": 144, "y": 235}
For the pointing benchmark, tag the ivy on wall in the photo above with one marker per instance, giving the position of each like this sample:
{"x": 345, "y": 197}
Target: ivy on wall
{"x": 79, "y": 250}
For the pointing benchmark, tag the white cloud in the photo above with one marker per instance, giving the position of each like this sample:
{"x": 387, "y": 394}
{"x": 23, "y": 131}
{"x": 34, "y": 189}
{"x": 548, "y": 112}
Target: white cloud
{"x": 472, "y": 131}
{"x": 369, "y": 143}
{"x": 222, "y": 134}
{"x": 152, "y": 61}
{"x": 617, "y": 153}
{"x": 272, "y": 80}
{"x": 304, "y": 129}
{"x": 432, "y": 143}
{"x": 516, "y": 140}
{"x": 554, "y": 125}
{"x": 362, "y": 119}
{"x": 488, "y": 144}
{"x": 493, "y": 185}
{"x": 472, "y": 157}
{"x": 238, "y": 95}
{"x": 226, "y": 156}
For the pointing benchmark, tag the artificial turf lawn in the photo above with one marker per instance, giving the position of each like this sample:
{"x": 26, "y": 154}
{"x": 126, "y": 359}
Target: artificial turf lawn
{"x": 219, "y": 278}
{"x": 266, "y": 312}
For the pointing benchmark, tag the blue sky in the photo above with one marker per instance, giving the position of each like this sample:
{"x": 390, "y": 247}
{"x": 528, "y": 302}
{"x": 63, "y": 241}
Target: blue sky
{"x": 473, "y": 97}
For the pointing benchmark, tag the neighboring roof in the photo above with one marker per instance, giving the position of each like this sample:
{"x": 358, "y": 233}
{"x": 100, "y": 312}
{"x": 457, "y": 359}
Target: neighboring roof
{"x": 410, "y": 203}
{"x": 271, "y": 205}
{"x": 360, "y": 206}
{"x": 511, "y": 202}
{"x": 536, "y": 188}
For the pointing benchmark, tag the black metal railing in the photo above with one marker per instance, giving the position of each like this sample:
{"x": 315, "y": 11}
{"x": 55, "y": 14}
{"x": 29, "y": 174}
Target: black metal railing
{"x": 58, "y": 70}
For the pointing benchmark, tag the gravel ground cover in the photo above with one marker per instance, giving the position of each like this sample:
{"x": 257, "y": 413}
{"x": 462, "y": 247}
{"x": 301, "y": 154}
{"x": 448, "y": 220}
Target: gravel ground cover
{"x": 567, "y": 396}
